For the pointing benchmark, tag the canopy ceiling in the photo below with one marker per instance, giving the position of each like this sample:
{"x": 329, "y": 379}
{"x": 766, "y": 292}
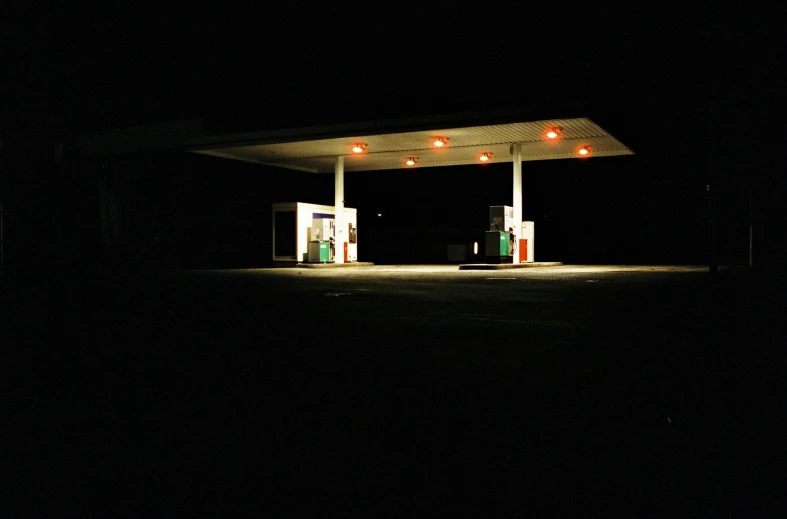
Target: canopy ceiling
{"x": 385, "y": 150}
{"x": 388, "y": 143}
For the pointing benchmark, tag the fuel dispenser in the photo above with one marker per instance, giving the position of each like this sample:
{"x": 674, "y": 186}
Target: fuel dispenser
{"x": 501, "y": 243}
{"x": 527, "y": 242}
{"x": 322, "y": 246}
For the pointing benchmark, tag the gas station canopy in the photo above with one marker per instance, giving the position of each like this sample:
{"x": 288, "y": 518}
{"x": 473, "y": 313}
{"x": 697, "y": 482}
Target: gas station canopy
{"x": 385, "y": 147}
{"x": 474, "y": 138}
{"x": 480, "y": 138}
{"x": 384, "y": 144}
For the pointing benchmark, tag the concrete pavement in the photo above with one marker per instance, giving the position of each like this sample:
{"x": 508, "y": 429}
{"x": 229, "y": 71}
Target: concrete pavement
{"x": 395, "y": 390}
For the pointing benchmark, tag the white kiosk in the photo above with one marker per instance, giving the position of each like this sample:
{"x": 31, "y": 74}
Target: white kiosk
{"x": 527, "y": 243}
{"x": 292, "y": 231}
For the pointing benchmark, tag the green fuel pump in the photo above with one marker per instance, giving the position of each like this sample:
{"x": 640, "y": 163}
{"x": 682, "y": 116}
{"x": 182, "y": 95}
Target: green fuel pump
{"x": 500, "y": 238}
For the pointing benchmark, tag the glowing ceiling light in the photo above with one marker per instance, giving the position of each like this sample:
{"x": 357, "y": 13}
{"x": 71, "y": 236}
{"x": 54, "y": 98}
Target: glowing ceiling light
{"x": 485, "y": 156}
{"x": 359, "y": 147}
{"x": 411, "y": 161}
{"x": 440, "y": 141}
{"x": 554, "y": 132}
{"x": 584, "y": 150}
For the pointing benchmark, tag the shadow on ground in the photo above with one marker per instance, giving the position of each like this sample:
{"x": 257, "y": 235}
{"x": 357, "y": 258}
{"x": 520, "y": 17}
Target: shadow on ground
{"x": 395, "y": 391}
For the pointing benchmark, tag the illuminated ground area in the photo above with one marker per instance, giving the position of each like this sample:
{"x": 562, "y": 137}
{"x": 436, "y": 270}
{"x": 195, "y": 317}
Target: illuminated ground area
{"x": 416, "y": 390}
{"x": 450, "y": 270}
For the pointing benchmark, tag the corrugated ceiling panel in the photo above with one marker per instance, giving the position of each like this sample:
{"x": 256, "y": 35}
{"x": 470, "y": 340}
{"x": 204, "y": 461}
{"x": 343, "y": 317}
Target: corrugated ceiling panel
{"x": 465, "y": 145}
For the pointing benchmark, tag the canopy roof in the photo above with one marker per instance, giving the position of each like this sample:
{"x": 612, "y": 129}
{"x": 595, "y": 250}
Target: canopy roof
{"x": 387, "y": 144}
{"x": 384, "y": 150}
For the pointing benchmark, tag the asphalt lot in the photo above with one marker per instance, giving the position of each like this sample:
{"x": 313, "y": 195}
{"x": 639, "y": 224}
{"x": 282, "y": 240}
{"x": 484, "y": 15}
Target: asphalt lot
{"x": 395, "y": 391}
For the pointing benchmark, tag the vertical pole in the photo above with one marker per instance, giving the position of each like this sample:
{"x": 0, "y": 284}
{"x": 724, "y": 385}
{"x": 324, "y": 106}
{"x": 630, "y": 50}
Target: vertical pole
{"x": 713, "y": 71}
{"x": 338, "y": 204}
{"x": 273, "y": 234}
{"x": 516, "y": 151}
{"x": 751, "y": 226}
{"x": 751, "y": 244}
{"x": 1, "y": 239}
{"x": 712, "y": 173}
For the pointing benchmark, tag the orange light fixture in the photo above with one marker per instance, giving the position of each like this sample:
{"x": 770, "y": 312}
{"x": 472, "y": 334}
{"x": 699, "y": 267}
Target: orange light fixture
{"x": 359, "y": 147}
{"x": 439, "y": 142}
{"x": 554, "y": 132}
{"x": 411, "y": 161}
{"x": 584, "y": 151}
{"x": 485, "y": 157}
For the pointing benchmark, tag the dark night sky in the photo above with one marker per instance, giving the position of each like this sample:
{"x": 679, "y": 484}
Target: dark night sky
{"x": 643, "y": 69}
{"x": 301, "y": 62}
{"x": 291, "y": 62}
{"x": 644, "y": 73}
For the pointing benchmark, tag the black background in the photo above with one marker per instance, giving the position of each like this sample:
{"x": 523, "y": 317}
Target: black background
{"x": 202, "y": 391}
{"x": 692, "y": 91}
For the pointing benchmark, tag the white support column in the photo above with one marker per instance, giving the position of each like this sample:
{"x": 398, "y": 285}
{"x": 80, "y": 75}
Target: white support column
{"x": 516, "y": 150}
{"x": 338, "y": 204}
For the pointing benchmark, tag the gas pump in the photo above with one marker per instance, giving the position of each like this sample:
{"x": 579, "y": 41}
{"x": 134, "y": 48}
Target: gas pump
{"x": 322, "y": 246}
{"x": 501, "y": 241}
